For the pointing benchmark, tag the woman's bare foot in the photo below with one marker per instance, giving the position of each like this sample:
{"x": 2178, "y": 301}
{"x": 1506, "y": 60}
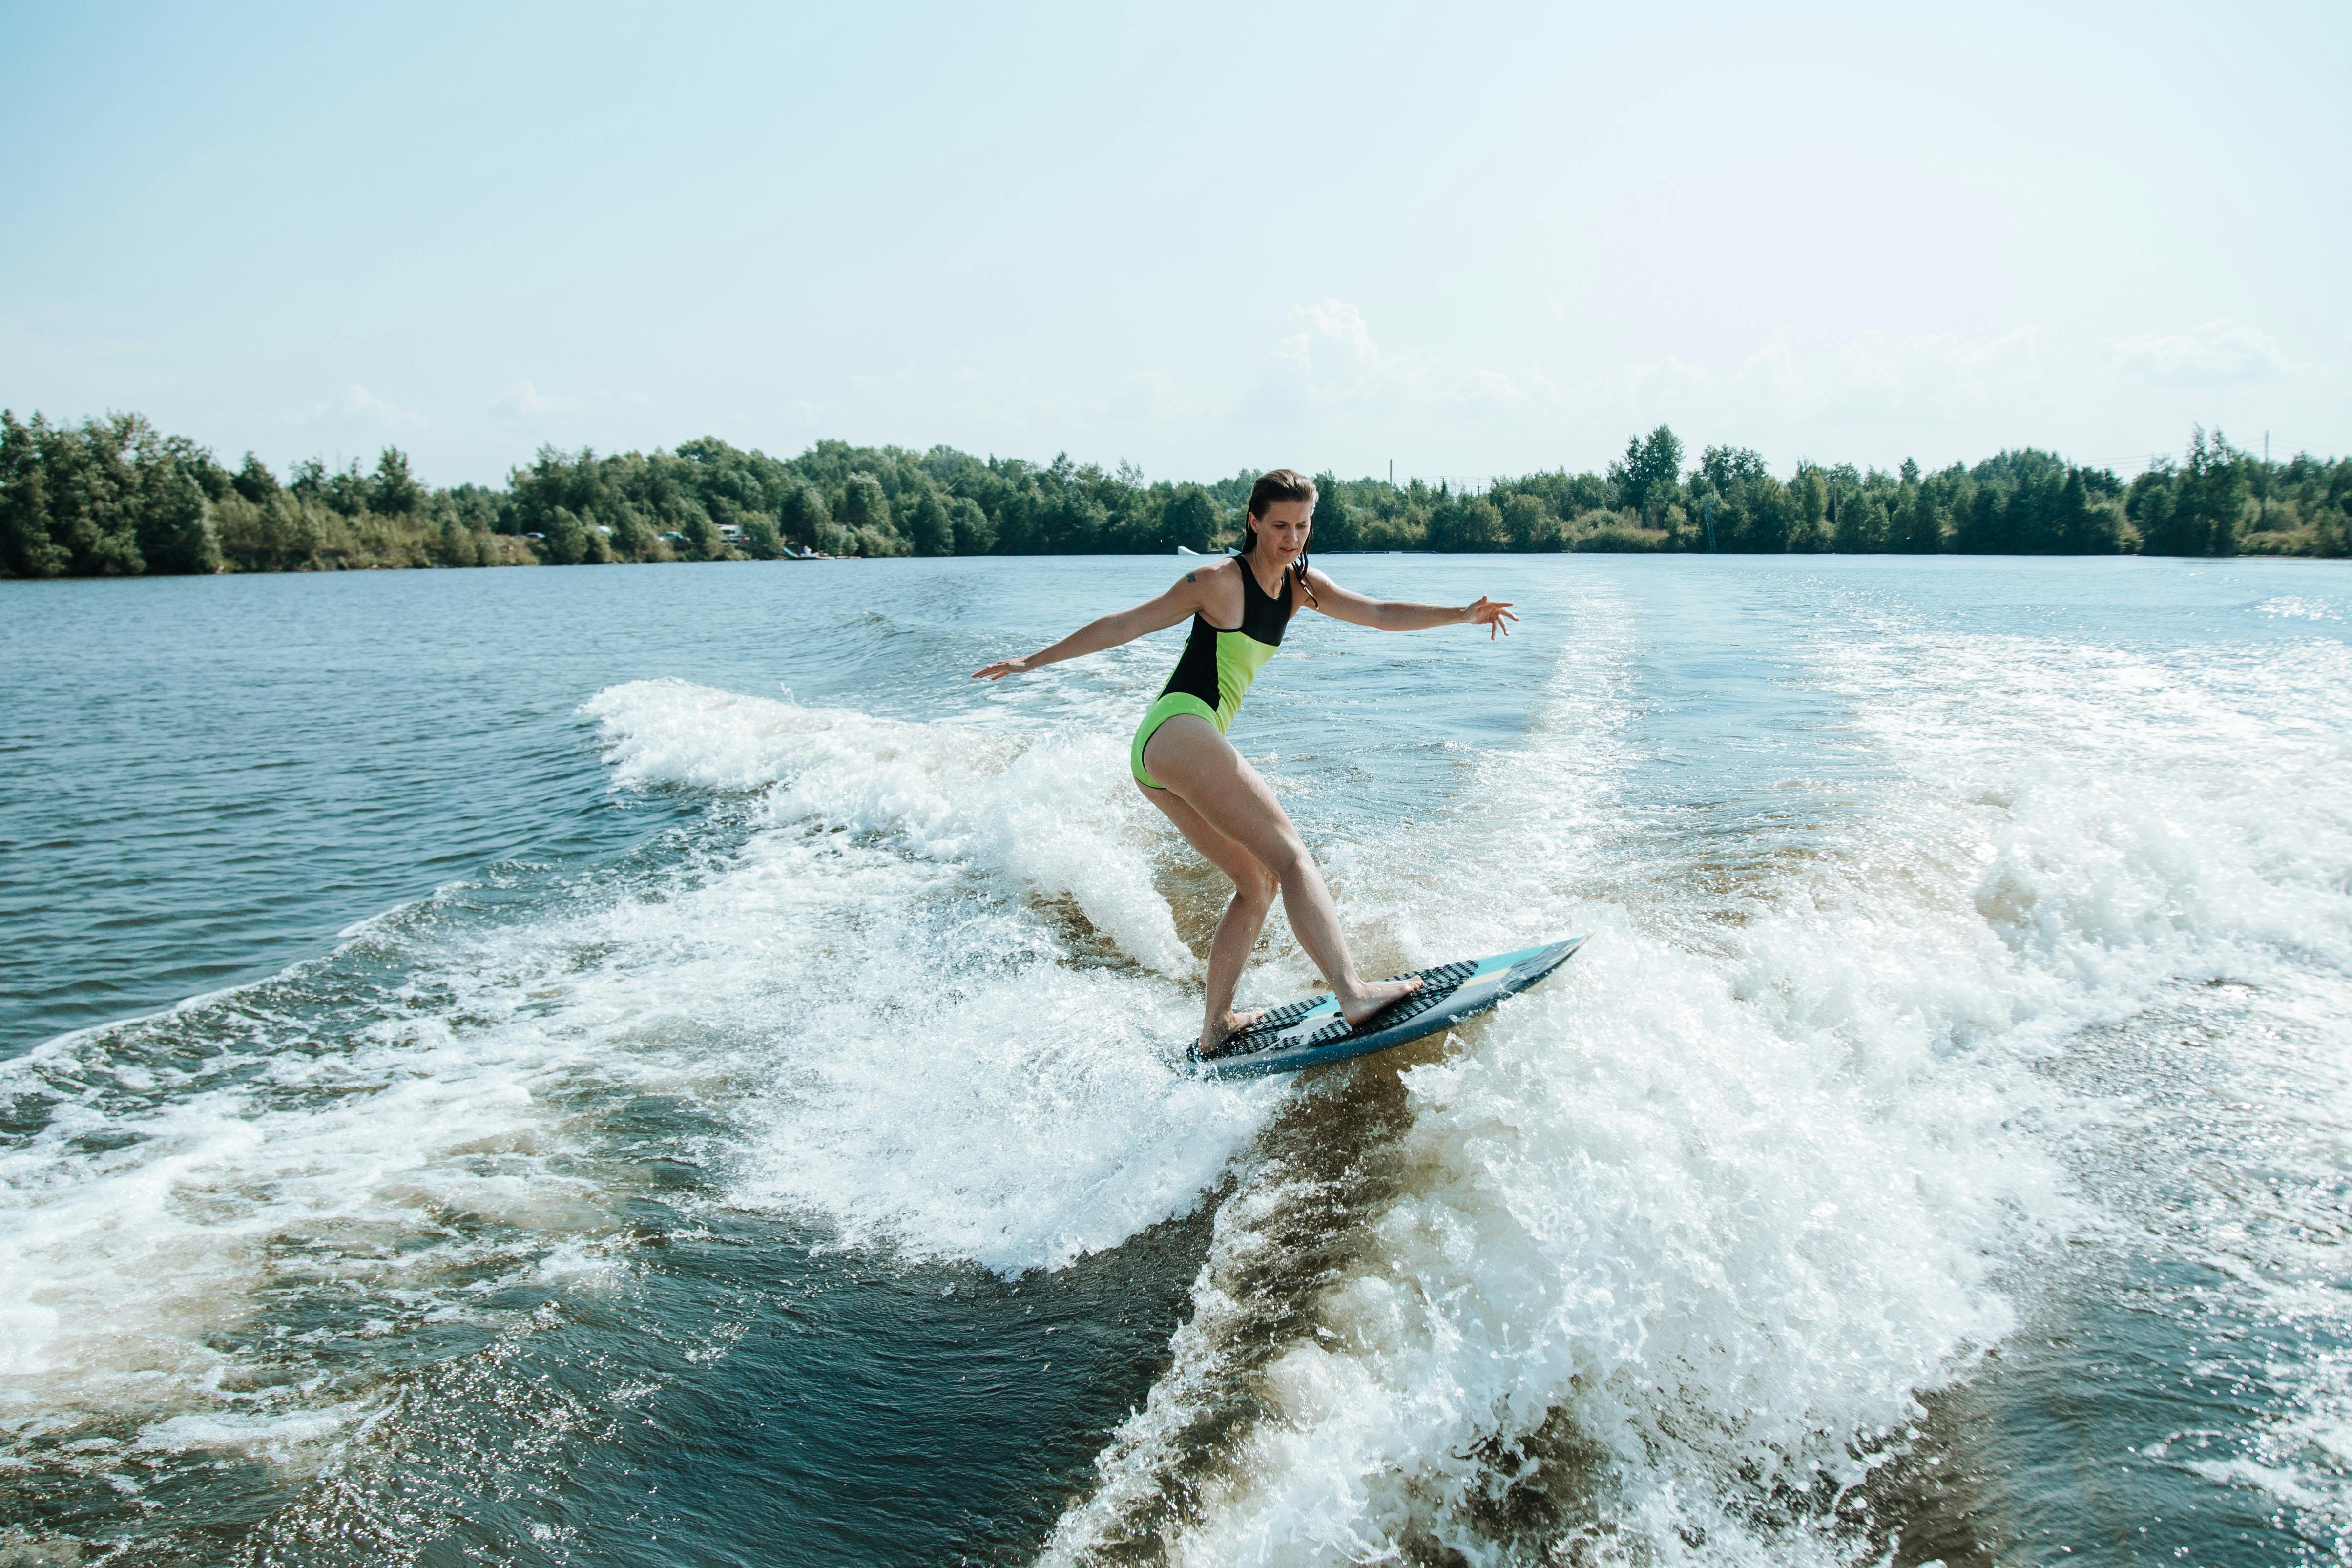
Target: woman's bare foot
{"x": 1375, "y": 997}
{"x": 1213, "y": 1037}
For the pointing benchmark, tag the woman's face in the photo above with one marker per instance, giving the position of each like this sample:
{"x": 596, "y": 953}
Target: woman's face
{"x": 1281, "y": 530}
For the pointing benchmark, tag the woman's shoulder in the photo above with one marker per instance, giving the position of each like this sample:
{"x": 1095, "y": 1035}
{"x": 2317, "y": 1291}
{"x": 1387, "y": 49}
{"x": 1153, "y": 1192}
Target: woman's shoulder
{"x": 1215, "y": 588}
{"x": 1218, "y": 569}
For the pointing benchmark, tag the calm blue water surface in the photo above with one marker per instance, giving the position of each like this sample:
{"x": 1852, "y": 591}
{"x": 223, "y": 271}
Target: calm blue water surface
{"x": 654, "y": 1065}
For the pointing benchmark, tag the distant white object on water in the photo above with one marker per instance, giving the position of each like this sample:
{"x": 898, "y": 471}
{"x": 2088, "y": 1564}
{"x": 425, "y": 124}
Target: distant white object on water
{"x": 1186, "y": 549}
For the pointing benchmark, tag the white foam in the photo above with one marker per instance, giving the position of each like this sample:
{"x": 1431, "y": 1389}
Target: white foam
{"x": 933, "y": 1075}
{"x": 1044, "y": 817}
{"x": 259, "y": 1435}
{"x": 283, "y": 1159}
{"x": 881, "y": 994}
{"x": 1718, "y": 1201}
{"x": 2287, "y": 1486}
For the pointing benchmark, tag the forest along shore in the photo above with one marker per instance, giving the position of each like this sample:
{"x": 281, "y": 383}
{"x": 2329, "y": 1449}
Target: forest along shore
{"x": 115, "y": 497}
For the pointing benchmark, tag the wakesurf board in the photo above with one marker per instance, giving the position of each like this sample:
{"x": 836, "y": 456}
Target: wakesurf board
{"x": 1311, "y": 1033}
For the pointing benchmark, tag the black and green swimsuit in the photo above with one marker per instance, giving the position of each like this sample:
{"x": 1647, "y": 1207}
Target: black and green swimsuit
{"x": 1217, "y": 667}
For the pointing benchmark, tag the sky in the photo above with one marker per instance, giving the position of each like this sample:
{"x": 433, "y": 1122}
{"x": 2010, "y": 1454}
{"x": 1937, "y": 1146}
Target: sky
{"x": 1463, "y": 240}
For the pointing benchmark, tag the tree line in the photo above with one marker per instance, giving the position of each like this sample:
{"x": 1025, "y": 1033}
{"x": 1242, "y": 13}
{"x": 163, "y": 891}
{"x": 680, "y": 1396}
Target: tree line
{"x": 116, "y": 496}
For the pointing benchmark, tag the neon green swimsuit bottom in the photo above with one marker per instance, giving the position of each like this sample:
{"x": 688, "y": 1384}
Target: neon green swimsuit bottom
{"x": 1216, "y": 669}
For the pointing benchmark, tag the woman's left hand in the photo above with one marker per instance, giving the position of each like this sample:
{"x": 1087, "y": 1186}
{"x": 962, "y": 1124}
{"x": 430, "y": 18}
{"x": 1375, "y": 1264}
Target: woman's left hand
{"x": 1494, "y": 615}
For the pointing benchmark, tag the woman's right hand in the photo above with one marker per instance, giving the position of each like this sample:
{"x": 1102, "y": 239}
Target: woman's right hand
{"x": 1494, "y": 615}
{"x": 1001, "y": 668}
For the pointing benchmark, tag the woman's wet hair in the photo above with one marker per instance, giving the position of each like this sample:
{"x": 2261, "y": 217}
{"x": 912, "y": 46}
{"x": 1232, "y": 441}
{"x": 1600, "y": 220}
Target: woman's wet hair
{"x": 1278, "y": 485}
{"x": 1282, "y": 484}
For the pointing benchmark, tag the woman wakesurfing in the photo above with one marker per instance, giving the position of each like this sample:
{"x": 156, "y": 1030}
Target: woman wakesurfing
{"x": 1185, "y": 766}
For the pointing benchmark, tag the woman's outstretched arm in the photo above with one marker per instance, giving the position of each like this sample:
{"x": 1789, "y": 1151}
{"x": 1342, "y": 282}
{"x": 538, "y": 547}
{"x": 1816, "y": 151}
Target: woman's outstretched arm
{"x": 1400, "y": 615}
{"x": 1110, "y": 631}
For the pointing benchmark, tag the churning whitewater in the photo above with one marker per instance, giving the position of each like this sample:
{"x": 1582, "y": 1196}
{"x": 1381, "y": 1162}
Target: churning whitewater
{"x": 1971, "y": 962}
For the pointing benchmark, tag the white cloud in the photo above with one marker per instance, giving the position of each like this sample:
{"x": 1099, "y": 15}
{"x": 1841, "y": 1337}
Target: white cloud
{"x": 1942, "y": 371}
{"x": 527, "y": 401}
{"x": 358, "y": 407}
{"x": 1331, "y": 365}
{"x": 1339, "y": 328}
{"x": 1492, "y": 391}
{"x": 2218, "y": 353}
{"x": 1870, "y": 380}
{"x": 358, "y": 400}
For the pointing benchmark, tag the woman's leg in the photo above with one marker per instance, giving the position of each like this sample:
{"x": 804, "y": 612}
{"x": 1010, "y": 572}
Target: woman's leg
{"x": 1229, "y": 949}
{"x": 1204, "y": 770}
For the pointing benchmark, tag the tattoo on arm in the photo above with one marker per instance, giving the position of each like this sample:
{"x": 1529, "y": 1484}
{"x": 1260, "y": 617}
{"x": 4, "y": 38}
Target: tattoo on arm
{"x": 1187, "y": 576}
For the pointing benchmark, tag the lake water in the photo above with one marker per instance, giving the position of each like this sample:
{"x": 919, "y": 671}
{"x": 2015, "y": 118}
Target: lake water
{"x": 653, "y": 1066}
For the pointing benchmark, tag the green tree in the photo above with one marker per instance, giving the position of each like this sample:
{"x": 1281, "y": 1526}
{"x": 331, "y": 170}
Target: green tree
{"x": 567, "y": 537}
{"x": 90, "y": 482}
{"x": 1016, "y": 512}
{"x": 1069, "y": 523}
{"x": 1649, "y": 468}
{"x": 2212, "y": 494}
{"x": 1764, "y": 516}
{"x": 632, "y": 539}
{"x": 1918, "y": 525}
{"x": 1529, "y": 525}
{"x": 2031, "y": 520}
{"x": 2330, "y": 493}
{"x": 760, "y": 540}
{"x": 974, "y": 534}
{"x": 1190, "y": 518}
{"x": 1470, "y": 524}
{"x": 115, "y": 496}
{"x": 26, "y": 550}
{"x": 1809, "y": 495}
{"x": 175, "y": 527}
{"x": 2079, "y": 527}
{"x": 457, "y": 545}
{"x": 1983, "y": 528}
{"x": 1335, "y": 525}
{"x": 806, "y": 518}
{"x": 394, "y": 490}
{"x": 1862, "y": 524}
{"x": 346, "y": 490}
{"x": 308, "y": 477}
{"x": 864, "y": 507}
{"x": 933, "y": 528}
{"x": 2149, "y": 507}
{"x": 280, "y": 534}
{"x": 254, "y": 480}
{"x": 697, "y": 535}
{"x": 1724, "y": 469}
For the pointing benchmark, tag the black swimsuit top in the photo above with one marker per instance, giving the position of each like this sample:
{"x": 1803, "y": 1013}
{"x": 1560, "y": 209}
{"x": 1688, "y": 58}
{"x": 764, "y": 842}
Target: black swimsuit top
{"x": 1218, "y": 665}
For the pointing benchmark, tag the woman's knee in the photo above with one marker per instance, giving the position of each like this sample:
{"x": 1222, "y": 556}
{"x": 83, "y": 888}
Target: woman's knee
{"x": 1257, "y": 886}
{"x": 1291, "y": 862}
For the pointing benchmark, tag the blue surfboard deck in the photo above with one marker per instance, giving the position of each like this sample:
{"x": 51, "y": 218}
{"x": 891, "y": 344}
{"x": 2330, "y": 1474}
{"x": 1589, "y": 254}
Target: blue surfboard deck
{"x": 1311, "y": 1033}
